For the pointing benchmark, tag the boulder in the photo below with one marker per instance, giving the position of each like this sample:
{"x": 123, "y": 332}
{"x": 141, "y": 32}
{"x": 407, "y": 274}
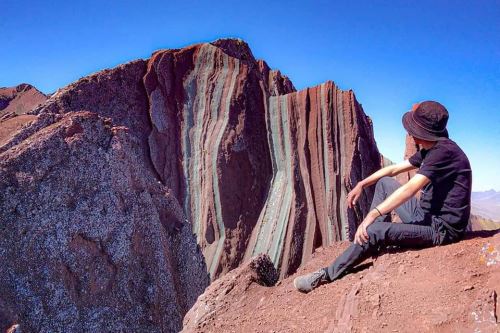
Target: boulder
{"x": 94, "y": 242}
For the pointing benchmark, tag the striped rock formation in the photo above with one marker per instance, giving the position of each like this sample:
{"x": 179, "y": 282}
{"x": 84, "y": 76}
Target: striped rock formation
{"x": 321, "y": 144}
{"x": 257, "y": 167}
{"x": 209, "y": 141}
{"x": 101, "y": 177}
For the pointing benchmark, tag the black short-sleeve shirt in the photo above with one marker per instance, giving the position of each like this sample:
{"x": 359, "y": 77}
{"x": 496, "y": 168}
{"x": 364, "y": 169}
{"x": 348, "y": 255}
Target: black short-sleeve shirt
{"x": 447, "y": 197}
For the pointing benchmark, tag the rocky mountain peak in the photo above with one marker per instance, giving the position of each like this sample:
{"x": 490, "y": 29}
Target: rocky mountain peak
{"x": 235, "y": 47}
{"x": 19, "y": 99}
{"x": 140, "y": 183}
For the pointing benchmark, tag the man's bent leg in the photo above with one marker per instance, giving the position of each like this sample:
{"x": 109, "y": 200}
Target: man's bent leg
{"x": 380, "y": 235}
{"x": 352, "y": 256}
{"x": 407, "y": 211}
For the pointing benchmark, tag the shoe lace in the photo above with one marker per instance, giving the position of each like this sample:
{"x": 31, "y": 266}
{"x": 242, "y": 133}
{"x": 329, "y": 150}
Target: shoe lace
{"x": 317, "y": 277}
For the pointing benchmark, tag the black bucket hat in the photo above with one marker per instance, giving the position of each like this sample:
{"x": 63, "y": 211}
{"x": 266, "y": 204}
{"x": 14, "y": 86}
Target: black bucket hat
{"x": 427, "y": 121}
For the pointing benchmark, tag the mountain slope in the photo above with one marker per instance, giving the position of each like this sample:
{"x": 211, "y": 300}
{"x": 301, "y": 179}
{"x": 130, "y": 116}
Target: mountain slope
{"x": 103, "y": 185}
{"x": 451, "y": 288}
{"x": 486, "y": 204}
{"x": 19, "y": 99}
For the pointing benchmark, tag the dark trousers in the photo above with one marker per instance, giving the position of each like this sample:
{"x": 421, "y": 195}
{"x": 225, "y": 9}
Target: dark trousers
{"x": 416, "y": 230}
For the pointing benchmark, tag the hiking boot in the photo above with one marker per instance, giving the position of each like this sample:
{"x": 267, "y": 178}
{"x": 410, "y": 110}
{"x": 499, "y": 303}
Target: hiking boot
{"x": 308, "y": 282}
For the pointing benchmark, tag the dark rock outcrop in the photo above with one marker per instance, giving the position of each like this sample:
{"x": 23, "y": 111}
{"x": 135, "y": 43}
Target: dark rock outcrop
{"x": 94, "y": 241}
{"x": 234, "y": 285}
{"x": 91, "y": 238}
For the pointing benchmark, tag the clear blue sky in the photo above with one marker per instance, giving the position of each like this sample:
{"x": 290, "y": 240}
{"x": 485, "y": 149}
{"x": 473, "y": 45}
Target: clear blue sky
{"x": 391, "y": 53}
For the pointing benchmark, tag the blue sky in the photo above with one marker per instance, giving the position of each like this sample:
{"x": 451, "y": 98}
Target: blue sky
{"x": 391, "y": 53}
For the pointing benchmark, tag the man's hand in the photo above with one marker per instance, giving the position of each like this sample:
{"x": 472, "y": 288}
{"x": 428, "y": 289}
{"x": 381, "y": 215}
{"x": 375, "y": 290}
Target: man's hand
{"x": 361, "y": 235}
{"x": 354, "y": 195}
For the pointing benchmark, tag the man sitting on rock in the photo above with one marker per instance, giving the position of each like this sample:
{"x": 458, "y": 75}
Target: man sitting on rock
{"x": 444, "y": 175}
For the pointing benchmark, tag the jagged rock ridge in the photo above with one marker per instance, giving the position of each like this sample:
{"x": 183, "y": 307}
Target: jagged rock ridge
{"x": 15, "y": 102}
{"x": 110, "y": 166}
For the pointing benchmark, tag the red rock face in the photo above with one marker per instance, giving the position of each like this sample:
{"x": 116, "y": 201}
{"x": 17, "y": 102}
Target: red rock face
{"x": 258, "y": 168}
{"x": 15, "y": 102}
{"x": 95, "y": 243}
{"x": 321, "y": 144}
{"x": 20, "y": 99}
{"x": 110, "y": 166}
{"x": 410, "y": 149}
{"x": 209, "y": 141}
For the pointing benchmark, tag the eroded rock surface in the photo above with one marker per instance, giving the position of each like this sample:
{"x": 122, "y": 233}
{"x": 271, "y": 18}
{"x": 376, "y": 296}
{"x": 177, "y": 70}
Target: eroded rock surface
{"x": 97, "y": 182}
{"x": 94, "y": 242}
{"x": 258, "y": 167}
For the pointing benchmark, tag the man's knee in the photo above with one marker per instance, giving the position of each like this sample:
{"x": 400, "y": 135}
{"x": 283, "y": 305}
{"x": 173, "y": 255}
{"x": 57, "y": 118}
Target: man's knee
{"x": 385, "y": 181}
{"x": 381, "y": 184}
{"x": 386, "y": 185}
{"x": 377, "y": 233}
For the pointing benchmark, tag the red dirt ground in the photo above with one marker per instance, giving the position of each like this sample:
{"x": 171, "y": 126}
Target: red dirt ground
{"x": 445, "y": 289}
{"x": 10, "y": 126}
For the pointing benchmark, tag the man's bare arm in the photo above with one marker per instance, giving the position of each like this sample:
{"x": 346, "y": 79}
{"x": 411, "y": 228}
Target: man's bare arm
{"x": 402, "y": 194}
{"x": 391, "y": 171}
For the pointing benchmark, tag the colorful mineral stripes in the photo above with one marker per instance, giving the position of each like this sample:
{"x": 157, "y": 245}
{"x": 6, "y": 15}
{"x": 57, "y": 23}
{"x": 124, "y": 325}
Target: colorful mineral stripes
{"x": 258, "y": 167}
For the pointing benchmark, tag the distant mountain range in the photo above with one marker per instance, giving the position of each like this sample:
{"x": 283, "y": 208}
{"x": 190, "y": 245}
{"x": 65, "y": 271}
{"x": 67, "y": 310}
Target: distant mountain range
{"x": 486, "y": 204}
